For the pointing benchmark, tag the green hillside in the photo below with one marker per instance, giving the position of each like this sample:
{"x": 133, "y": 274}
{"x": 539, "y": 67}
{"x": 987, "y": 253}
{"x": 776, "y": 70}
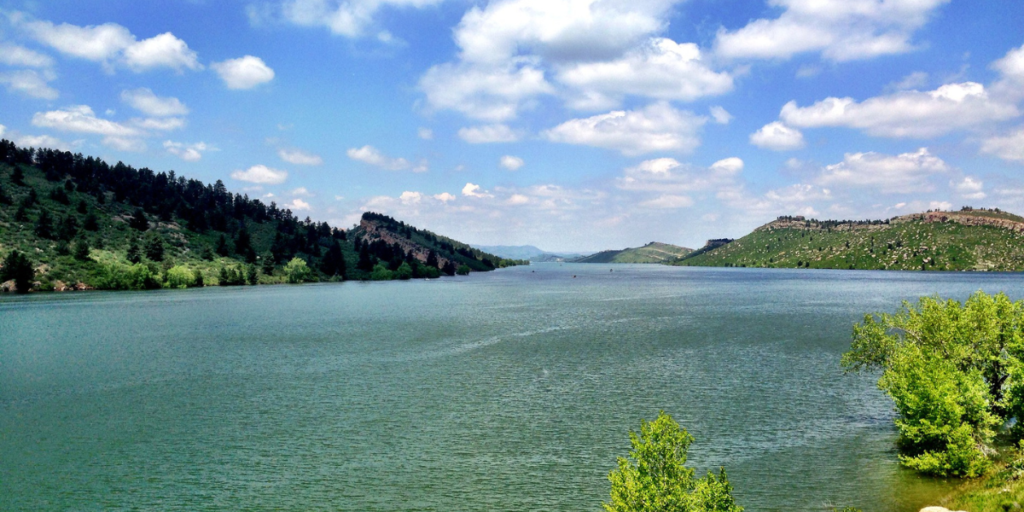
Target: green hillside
{"x": 970, "y": 239}
{"x": 83, "y": 223}
{"x": 654, "y": 252}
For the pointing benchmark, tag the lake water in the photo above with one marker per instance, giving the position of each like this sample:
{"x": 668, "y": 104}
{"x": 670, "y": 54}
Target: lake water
{"x": 512, "y": 390}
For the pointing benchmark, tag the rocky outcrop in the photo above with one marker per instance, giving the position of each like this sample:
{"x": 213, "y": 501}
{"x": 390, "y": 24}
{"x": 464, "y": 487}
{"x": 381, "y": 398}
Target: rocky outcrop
{"x": 967, "y": 218}
{"x": 8, "y": 286}
{"x": 374, "y": 231}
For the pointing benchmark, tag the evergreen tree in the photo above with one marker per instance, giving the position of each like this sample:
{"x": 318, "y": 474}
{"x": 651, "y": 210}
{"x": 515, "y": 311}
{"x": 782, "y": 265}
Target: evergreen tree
{"x": 81, "y": 250}
{"x": 91, "y": 222}
{"x": 21, "y": 214}
{"x": 155, "y": 247}
{"x": 267, "y": 262}
{"x": 365, "y": 261}
{"x": 18, "y": 267}
{"x": 333, "y": 263}
{"x": 198, "y": 276}
{"x": 68, "y": 228}
{"x": 222, "y": 246}
{"x": 82, "y": 207}
{"x": 206, "y": 253}
{"x": 432, "y": 259}
{"x": 243, "y": 242}
{"x": 18, "y": 176}
{"x": 252, "y": 275}
{"x": 138, "y": 220}
{"x": 134, "y": 253}
{"x": 44, "y": 225}
{"x": 63, "y": 249}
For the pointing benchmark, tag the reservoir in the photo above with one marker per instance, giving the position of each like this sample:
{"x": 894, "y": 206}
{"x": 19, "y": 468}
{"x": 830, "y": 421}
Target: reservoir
{"x": 510, "y": 390}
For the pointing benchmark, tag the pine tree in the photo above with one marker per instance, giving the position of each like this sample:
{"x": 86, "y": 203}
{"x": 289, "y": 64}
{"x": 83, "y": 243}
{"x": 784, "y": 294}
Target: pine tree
{"x": 19, "y": 268}
{"x": 81, "y": 250}
{"x": 44, "y": 225}
{"x": 18, "y": 177}
{"x": 155, "y": 247}
{"x": 267, "y": 263}
{"x": 222, "y": 246}
{"x": 134, "y": 254}
{"x": 138, "y": 220}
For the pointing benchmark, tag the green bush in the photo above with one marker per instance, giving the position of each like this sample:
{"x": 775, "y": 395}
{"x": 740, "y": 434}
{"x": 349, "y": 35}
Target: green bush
{"x": 954, "y": 372}
{"x": 180, "y": 277}
{"x": 463, "y": 270}
{"x": 137, "y": 276}
{"x": 403, "y": 272}
{"x": 655, "y": 478}
{"x": 381, "y": 273}
{"x": 297, "y": 271}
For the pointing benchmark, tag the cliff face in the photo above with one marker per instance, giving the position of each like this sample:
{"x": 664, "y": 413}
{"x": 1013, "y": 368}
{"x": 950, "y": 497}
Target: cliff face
{"x": 373, "y": 230}
{"x": 969, "y": 218}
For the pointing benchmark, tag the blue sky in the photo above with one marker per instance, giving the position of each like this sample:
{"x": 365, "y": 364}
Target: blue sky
{"x": 573, "y": 125}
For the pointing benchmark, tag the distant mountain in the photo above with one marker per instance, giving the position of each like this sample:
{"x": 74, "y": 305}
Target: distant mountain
{"x": 654, "y": 252}
{"x": 969, "y": 239}
{"x": 526, "y": 252}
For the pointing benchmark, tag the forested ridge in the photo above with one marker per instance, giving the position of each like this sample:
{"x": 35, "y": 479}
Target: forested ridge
{"x": 79, "y": 223}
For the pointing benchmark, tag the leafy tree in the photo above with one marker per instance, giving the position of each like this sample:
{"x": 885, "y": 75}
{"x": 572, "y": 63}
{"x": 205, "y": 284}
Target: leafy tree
{"x": 463, "y": 270}
{"x": 954, "y": 372}
{"x": 138, "y": 220}
{"x": 197, "y": 278}
{"x": 404, "y": 271}
{"x": 381, "y": 273}
{"x": 180, "y": 277}
{"x": 18, "y": 267}
{"x": 155, "y": 247}
{"x": 134, "y": 253}
{"x": 655, "y": 478}
{"x": 297, "y": 271}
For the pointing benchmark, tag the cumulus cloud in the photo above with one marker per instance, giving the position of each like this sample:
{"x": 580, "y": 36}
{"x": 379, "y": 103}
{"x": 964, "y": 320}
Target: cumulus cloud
{"x": 301, "y": 191}
{"x": 841, "y": 30}
{"x": 187, "y": 152}
{"x": 163, "y": 124}
{"x": 348, "y": 18}
{"x": 444, "y": 197}
{"x": 1009, "y": 147}
{"x": 488, "y": 93}
{"x": 299, "y": 157}
{"x": 904, "y": 173}
{"x": 720, "y": 115}
{"x": 969, "y": 188}
{"x": 657, "y": 127}
{"x": 244, "y": 72}
{"x": 669, "y": 178}
{"x": 668, "y": 201}
{"x": 425, "y": 133}
{"x": 131, "y": 144}
{"x": 14, "y": 55}
{"x": 163, "y": 50}
{"x": 30, "y": 82}
{"x": 145, "y": 101}
{"x": 81, "y": 119}
{"x": 472, "y": 190}
{"x": 777, "y": 137}
{"x": 111, "y": 43}
{"x": 261, "y": 174}
{"x": 42, "y": 141}
{"x": 488, "y": 133}
{"x": 727, "y": 166}
{"x": 905, "y": 114}
{"x": 511, "y": 163}
{"x": 1011, "y": 69}
{"x": 298, "y": 205}
{"x": 371, "y": 155}
{"x": 660, "y": 68}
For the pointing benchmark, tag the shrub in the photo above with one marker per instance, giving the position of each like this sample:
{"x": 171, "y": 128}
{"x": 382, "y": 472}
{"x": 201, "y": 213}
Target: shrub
{"x": 381, "y": 273}
{"x": 180, "y": 277}
{"x": 297, "y": 271}
{"x": 137, "y": 276}
{"x": 18, "y": 267}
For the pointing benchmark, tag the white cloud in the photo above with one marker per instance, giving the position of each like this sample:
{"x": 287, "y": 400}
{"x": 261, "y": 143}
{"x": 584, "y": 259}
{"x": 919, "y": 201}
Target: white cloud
{"x": 243, "y": 73}
{"x": 373, "y": 156}
{"x": 841, "y": 30}
{"x": 657, "y": 127}
{"x": 42, "y": 141}
{"x": 301, "y": 191}
{"x": 299, "y": 157}
{"x": 777, "y": 137}
{"x": 3, "y": 130}
{"x": 261, "y": 174}
{"x": 348, "y": 18}
{"x": 163, "y": 124}
{"x": 969, "y": 188}
{"x": 80, "y": 118}
{"x": 489, "y": 93}
{"x": 421, "y": 167}
{"x": 727, "y": 166}
{"x": 125, "y": 143}
{"x": 150, "y": 104}
{"x": 517, "y": 199}
{"x": 668, "y": 201}
{"x": 471, "y": 190}
{"x": 660, "y": 68}
{"x": 511, "y": 163}
{"x": 1011, "y": 67}
{"x": 912, "y": 81}
{"x": 905, "y": 173}
{"x": 488, "y": 133}
{"x": 14, "y": 55}
{"x": 1009, "y": 147}
{"x": 111, "y": 43}
{"x": 720, "y": 115}
{"x": 163, "y": 50}
{"x": 425, "y": 133}
{"x": 31, "y": 83}
{"x": 669, "y": 177}
{"x": 298, "y": 205}
{"x": 905, "y": 114}
{"x": 444, "y": 197}
{"x": 187, "y": 152}
{"x": 409, "y": 197}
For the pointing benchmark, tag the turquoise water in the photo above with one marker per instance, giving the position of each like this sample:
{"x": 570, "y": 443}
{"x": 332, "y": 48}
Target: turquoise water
{"x": 510, "y": 390}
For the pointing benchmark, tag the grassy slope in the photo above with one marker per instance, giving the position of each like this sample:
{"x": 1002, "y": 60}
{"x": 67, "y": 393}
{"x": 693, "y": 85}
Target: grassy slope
{"x": 110, "y": 241}
{"x": 907, "y": 245}
{"x": 654, "y": 252}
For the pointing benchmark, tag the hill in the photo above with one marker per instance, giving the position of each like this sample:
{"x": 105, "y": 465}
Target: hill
{"x": 654, "y": 252}
{"x": 83, "y": 224}
{"x": 526, "y": 252}
{"x": 969, "y": 239}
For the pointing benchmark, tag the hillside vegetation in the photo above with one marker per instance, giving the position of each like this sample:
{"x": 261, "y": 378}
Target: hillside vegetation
{"x": 970, "y": 239}
{"x": 654, "y": 252}
{"x": 82, "y": 223}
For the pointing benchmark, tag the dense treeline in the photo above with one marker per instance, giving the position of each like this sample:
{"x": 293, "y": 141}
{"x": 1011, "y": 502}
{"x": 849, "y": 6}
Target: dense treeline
{"x": 81, "y": 220}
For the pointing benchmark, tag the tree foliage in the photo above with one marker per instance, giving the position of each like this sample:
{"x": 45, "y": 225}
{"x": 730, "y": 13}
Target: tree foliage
{"x": 954, "y": 372}
{"x": 297, "y": 271}
{"x": 655, "y": 478}
{"x": 18, "y": 267}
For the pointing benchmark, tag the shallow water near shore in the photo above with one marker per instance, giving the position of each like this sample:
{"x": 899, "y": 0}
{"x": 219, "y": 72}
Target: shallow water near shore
{"x": 509, "y": 390}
